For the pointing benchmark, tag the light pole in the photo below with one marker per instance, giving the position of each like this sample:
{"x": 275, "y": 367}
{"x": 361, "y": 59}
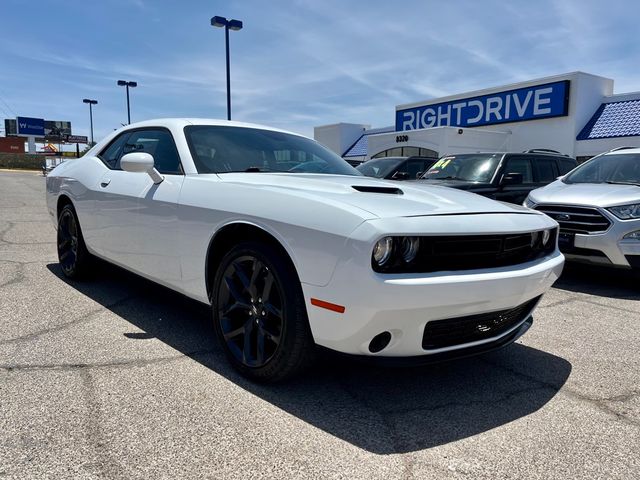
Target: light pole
{"x": 124, "y": 83}
{"x": 91, "y": 104}
{"x": 228, "y": 25}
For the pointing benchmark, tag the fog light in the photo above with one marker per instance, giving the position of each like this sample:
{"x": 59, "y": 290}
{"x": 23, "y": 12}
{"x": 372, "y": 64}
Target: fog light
{"x": 632, "y": 236}
{"x": 382, "y": 250}
{"x": 410, "y": 248}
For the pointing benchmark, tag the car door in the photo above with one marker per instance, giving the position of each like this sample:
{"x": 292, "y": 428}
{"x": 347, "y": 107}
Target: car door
{"x": 113, "y": 231}
{"x": 516, "y": 193}
{"x": 155, "y": 254}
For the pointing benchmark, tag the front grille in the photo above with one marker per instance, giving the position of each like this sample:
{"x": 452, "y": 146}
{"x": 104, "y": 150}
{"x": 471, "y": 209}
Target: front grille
{"x": 453, "y": 253}
{"x": 461, "y": 330}
{"x": 572, "y": 219}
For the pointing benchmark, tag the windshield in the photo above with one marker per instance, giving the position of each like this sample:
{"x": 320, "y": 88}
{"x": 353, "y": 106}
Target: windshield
{"x": 615, "y": 168}
{"x": 473, "y": 167}
{"x": 380, "y": 167}
{"x": 225, "y": 149}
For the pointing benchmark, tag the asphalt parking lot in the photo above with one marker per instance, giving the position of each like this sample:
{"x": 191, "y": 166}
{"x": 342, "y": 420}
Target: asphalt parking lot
{"x": 119, "y": 378}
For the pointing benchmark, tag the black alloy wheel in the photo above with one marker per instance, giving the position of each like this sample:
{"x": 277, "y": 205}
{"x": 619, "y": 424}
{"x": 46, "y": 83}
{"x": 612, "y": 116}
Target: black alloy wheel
{"x": 250, "y": 311}
{"x": 259, "y": 313}
{"x": 72, "y": 252}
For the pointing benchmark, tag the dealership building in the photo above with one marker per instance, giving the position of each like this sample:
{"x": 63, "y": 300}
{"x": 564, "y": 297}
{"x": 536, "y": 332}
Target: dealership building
{"x": 575, "y": 114}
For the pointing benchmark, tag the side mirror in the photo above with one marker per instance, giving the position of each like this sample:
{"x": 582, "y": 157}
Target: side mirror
{"x": 419, "y": 174}
{"x": 511, "y": 179}
{"x": 141, "y": 162}
{"x": 400, "y": 176}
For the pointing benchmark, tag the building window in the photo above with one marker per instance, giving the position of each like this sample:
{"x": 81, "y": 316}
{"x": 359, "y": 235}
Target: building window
{"x": 407, "y": 152}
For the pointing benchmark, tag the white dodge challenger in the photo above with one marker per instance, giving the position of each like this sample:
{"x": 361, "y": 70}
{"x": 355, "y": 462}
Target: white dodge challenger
{"x": 294, "y": 249}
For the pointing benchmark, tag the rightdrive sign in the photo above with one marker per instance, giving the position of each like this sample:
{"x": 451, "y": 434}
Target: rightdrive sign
{"x": 30, "y": 127}
{"x": 527, "y": 103}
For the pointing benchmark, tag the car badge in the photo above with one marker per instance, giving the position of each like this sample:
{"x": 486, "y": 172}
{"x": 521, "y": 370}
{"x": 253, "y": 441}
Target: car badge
{"x": 563, "y": 216}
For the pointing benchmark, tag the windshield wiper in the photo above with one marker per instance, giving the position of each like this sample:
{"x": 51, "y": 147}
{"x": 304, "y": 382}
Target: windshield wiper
{"x": 611, "y": 182}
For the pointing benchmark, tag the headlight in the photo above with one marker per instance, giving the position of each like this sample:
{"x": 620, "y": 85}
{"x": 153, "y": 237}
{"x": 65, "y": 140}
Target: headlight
{"x": 528, "y": 203}
{"x": 409, "y": 248}
{"x": 632, "y": 236}
{"x": 626, "y": 212}
{"x": 382, "y": 250}
{"x": 546, "y": 235}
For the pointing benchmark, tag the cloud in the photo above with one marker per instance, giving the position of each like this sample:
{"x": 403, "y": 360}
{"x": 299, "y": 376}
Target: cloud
{"x": 303, "y": 63}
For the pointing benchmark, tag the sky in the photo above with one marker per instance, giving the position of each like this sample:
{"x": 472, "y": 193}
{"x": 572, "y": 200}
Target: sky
{"x": 296, "y": 64}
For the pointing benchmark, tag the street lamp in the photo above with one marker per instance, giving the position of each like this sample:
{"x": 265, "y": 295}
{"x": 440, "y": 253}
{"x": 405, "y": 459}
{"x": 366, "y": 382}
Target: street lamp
{"x": 228, "y": 25}
{"x": 123, "y": 83}
{"x": 91, "y": 104}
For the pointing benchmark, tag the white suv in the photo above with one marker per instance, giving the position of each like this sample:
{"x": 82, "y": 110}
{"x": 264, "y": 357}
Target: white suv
{"x": 597, "y": 206}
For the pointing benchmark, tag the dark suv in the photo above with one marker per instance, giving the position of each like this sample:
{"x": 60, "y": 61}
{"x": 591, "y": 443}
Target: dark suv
{"x": 508, "y": 177}
{"x": 396, "y": 168}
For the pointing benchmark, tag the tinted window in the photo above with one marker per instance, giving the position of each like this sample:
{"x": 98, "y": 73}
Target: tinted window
{"x": 158, "y": 143}
{"x": 520, "y": 165}
{"x": 566, "y": 165}
{"x": 222, "y": 149}
{"x": 614, "y": 168}
{"x": 472, "y": 167}
{"x": 546, "y": 170}
{"x": 111, "y": 154}
{"x": 415, "y": 167}
{"x": 379, "y": 167}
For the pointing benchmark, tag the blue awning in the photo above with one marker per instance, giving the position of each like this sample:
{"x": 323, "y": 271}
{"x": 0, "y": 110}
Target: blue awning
{"x": 361, "y": 146}
{"x": 616, "y": 119}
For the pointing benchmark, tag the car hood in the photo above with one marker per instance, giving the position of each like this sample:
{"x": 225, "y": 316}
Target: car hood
{"x": 380, "y": 198}
{"x": 594, "y": 194}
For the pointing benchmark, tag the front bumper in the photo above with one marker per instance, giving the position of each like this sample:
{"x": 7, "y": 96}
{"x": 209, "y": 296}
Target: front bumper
{"x": 402, "y": 304}
{"x": 501, "y": 342}
{"x": 610, "y": 247}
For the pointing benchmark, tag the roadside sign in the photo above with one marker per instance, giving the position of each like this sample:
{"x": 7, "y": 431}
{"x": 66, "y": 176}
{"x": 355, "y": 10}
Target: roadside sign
{"x": 76, "y": 139}
{"x": 30, "y": 127}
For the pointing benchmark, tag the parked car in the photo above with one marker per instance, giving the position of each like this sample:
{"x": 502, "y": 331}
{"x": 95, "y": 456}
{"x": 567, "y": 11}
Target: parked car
{"x": 508, "y": 177}
{"x": 289, "y": 259}
{"x": 396, "y": 168}
{"x": 598, "y": 208}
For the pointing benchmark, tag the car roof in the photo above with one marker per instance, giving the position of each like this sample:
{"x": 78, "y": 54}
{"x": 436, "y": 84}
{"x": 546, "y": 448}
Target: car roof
{"x": 623, "y": 151}
{"x": 387, "y": 158}
{"x": 533, "y": 154}
{"x": 183, "y": 122}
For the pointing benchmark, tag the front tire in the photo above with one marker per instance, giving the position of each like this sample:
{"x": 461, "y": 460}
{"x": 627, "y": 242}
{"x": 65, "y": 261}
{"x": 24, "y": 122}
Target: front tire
{"x": 73, "y": 255}
{"x": 259, "y": 313}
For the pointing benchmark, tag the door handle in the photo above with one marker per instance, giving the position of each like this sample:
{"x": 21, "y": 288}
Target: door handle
{"x": 105, "y": 183}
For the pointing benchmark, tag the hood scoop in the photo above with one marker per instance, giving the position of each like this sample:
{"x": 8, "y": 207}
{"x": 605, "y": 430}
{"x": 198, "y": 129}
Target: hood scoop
{"x": 374, "y": 189}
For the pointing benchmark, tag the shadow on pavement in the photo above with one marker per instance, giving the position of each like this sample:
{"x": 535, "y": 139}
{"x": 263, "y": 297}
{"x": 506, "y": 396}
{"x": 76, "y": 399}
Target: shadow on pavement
{"x": 602, "y": 281}
{"x": 381, "y": 410}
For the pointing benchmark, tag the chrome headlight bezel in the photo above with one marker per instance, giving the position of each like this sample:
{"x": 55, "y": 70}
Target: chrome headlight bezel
{"x": 626, "y": 212}
{"x": 382, "y": 251}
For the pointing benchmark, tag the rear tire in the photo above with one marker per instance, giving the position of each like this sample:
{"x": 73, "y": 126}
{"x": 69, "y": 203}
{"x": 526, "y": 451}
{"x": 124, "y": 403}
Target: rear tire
{"x": 259, "y": 313}
{"x": 73, "y": 255}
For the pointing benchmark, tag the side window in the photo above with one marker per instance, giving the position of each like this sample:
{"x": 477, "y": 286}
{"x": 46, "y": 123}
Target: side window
{"x": 158, "y": 143}
{"x": 415, "y": 166}
{"x": 566, "y": 165}
{"x": 111, "y": 154}
{"x": 546, "y": 170}
{"x": 520, "y": 165}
